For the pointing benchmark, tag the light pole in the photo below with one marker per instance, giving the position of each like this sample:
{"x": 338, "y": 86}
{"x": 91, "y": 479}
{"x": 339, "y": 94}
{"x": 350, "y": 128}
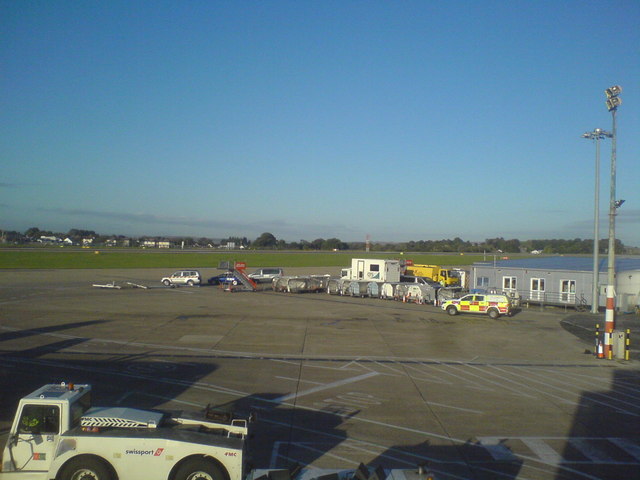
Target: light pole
{"x": 613, "y": 102}
{"x": 597, "y": 135}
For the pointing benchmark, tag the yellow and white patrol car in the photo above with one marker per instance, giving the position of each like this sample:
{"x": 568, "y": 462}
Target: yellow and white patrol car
{"x": 491, "y": 304}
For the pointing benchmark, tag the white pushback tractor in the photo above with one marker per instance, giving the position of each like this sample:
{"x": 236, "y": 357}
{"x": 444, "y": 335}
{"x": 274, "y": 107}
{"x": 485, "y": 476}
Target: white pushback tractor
{"x": 57, "y": 435}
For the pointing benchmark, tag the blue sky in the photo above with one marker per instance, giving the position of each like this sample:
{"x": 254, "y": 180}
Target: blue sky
{"x": 404, "y": 120}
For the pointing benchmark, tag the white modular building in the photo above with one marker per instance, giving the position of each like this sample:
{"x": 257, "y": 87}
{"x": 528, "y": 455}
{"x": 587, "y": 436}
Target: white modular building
{"x": 559, "y": 280}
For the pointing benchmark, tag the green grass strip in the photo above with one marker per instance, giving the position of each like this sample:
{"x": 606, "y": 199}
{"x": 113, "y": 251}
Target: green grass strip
{"x": 38, "y": 259}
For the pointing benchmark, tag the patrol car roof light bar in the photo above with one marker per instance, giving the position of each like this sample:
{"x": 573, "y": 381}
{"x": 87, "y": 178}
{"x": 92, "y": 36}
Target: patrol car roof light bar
{"x": 612, "y": 103}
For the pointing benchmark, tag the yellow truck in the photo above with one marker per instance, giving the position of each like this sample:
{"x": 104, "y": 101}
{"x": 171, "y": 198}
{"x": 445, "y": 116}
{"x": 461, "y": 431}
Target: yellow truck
{"x": 444, "y": 276}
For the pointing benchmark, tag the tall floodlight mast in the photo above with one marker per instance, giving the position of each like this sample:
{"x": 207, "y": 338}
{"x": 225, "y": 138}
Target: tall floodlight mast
{"x": 597, "y": 135}
{"x": 613, "y": 102}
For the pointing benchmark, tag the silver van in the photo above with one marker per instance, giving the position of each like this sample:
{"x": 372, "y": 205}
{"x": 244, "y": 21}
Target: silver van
{"x": 262, "y": 275}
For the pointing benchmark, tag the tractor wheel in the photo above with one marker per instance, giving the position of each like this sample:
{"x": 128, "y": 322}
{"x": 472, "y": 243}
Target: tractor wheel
{"x": 198, "y": 469}
{"x": 86, "y": 469}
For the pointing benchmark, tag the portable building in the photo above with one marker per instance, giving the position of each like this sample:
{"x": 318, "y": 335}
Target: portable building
{"x": 559, "y": 280}
{"x": 371, "y": 269}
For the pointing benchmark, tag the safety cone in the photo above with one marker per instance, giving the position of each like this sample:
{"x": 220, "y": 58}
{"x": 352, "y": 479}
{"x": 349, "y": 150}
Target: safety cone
{"x": 600, "y": 350}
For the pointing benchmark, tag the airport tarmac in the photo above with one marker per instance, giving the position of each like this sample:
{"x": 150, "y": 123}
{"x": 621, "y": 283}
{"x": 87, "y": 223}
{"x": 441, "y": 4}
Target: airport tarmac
{"x": 335, "y": 381}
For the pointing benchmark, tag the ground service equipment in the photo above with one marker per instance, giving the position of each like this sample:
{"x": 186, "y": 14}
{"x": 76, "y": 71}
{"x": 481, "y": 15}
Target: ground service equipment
{"x": 57, "y": 434}
{"x": 445, "y": 277}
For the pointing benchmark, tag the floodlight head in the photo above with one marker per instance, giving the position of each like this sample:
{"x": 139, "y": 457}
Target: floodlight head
{"x": 618, "y": 203}
{"x": 613, "y": 91}
{"x": 613, "y": 103}
{"x": 597, "y": 134}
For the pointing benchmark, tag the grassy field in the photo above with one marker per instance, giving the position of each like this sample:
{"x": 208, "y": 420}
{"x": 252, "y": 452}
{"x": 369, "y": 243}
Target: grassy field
{"x": 51, "y": 259}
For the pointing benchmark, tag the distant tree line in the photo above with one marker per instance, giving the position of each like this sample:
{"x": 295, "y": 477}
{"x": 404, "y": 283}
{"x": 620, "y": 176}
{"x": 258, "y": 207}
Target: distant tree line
{"x": 268, "y": 241}
{"x": 552, "y": 246}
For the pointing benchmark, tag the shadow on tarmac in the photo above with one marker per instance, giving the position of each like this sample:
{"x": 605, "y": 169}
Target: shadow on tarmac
{"x": 17, "y": 334}
{"x": 468, "y": 461}
{"x": 604, "y": 441}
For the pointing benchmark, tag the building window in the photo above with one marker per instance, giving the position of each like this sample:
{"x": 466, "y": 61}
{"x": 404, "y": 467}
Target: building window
{"x": 537, "y": 289}
{"x": 508, "y": 283}
{"x": 374, "y": 268}
{"x": 568, "y": 291}
{"x": 482, "y": 282}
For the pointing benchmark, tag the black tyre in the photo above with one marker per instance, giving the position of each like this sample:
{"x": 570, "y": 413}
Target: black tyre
{"x": 493, "y": 313}
{"x": 199, "y": 469}
{"x": 190, "y": 283}
{"x": 166, "y": 283}
{"x": 86, "y": 469}
{"x": 451, "y": 310}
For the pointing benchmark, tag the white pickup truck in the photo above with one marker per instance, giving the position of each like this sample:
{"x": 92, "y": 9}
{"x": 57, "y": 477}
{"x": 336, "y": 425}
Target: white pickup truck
{"x": 57, "y": 435}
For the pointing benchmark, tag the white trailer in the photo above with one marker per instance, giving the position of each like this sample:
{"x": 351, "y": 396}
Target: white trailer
{"x": 57, "y": 434}
{"x": 373, "y": 270}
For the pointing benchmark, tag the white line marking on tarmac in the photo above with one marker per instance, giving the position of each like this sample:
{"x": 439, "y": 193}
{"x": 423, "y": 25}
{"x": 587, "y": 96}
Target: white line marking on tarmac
{"x": 171, "y": 399}
{"x": 445, "y": 369}
{"x": 629, "y": 447}
{"x": 501, "y": 381}
{"x": 607, "y": 398}
{"x": 456, "y": 408}
{"x": 392, "y": 369}
{"x": 298, "y": 380}
{"x": 543, "y": 451}
{"x": 326, "y": 386}
{"x": 430, "y": 378}
{"x": 590, "y": 450}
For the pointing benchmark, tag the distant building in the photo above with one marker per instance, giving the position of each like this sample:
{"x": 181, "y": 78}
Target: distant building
{"x": 155, "y": 244}
{"x": 49, "y": 239}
